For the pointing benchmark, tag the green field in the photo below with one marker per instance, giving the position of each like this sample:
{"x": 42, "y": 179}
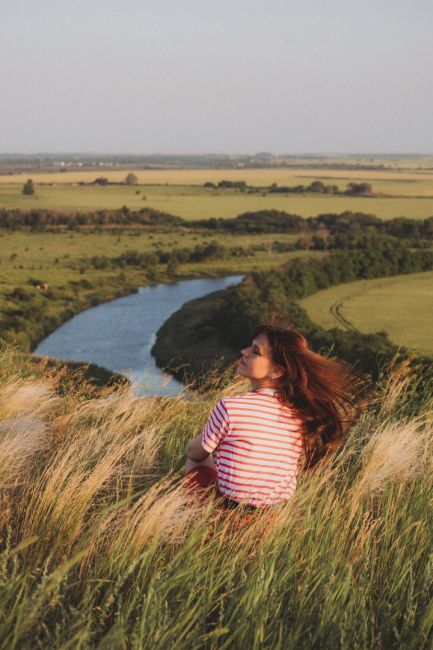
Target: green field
{"x": 23, "y": 251}
{"x": 200, "y": 203}
{"x": 181, "y": 192}
{"x": 62, "y": 260}
{"x": 253, "y": 176}
{"x": 401, "y": 305}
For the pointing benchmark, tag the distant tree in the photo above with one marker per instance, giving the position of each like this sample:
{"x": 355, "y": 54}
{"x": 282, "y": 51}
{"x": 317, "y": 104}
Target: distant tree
{"x": 359, "y": 188}
{"x": 131, "y": 179}
{"x": 101, "y": 180}
{"x": 28, "y": 188}
{"x": 316, "y": 186}
{"x": 172, "y": 266}
{"x": 331, "y": 189}
{"x": 238, "y": 185}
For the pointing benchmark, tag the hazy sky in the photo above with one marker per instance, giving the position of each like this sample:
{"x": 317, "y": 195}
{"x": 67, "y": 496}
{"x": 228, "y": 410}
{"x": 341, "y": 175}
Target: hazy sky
{"x": 197, "y": 76}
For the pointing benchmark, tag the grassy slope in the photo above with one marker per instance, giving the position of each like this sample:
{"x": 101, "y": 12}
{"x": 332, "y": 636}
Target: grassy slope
{"x": 100, "y": 548}
{"x": 402, "y": 306}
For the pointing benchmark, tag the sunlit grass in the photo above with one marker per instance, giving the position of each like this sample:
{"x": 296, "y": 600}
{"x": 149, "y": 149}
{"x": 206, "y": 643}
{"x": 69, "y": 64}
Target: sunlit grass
{"x": 418, "y": 169}
{"x": 402, "y": 306}
{"x": 406, "y": 186}
{"x": 103, "y": 547}
{"x": 195, "y": 202}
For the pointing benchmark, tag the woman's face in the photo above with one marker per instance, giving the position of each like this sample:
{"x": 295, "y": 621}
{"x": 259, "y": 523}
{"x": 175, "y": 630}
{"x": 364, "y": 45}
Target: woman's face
{"x": 256, "y": 362}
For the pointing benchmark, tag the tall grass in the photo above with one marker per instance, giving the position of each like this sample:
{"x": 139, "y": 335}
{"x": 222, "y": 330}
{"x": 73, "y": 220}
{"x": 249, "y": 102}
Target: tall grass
{"x": 102, "y": 547}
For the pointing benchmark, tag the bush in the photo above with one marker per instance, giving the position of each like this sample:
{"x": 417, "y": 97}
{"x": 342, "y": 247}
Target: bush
{"x": 28, "y": 188}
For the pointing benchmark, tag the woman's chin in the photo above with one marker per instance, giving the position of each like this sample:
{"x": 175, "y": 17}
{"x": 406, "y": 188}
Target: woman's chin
{"x": 240, "y": 370}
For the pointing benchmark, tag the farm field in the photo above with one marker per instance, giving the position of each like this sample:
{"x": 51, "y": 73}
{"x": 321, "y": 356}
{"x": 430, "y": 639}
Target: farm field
{"x": 252, "y": 176}
{"x": 195, "y": 202}
{"x": 181, "y": 191}
{"x": 400, "y": 305}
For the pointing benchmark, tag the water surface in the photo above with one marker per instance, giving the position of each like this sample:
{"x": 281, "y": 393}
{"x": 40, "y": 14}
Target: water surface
{"x": 120, "y": 334}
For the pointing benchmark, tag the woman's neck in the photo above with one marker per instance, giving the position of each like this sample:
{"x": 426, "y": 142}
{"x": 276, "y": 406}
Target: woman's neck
{"x": 262, "y": 383}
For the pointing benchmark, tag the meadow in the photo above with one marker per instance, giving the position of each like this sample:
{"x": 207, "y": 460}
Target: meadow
{"x": 33, "y": 248}
{"x": 181, "y": 192}
{"x": 402, "y": 306}
{"x": 102, "y": 546}
{"x": 63, "y": 261}
{"x": 58, "y": 258}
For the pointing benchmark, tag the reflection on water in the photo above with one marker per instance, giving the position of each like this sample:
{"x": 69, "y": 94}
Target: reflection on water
{"x": 120, "y": 334}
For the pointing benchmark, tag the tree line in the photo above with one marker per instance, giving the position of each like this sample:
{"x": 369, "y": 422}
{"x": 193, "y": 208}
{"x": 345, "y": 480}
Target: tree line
{"x": 46, "y": 219}
{"x": 258, "y": 222}
{"x": 352, "y": 189}
{"x": 268, "y": 221}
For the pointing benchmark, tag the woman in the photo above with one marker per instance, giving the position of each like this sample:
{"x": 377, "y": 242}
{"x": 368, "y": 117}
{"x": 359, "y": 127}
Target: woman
{"x": 298, "y": 406}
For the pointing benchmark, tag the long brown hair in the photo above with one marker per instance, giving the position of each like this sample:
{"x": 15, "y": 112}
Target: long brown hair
{"x": 322, "y": 390}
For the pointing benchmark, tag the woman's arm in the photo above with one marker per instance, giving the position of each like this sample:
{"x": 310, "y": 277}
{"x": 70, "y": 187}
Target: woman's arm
{"x": 195, "y": 451}
{"x": 199, "y": 448}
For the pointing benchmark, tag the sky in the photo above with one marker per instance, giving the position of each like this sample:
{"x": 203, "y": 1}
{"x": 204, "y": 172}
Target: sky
{"x": 216, "y": 76}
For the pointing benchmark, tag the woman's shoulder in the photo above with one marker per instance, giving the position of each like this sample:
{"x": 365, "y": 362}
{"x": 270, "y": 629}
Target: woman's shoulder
{"x": 261, "y": 396}
{"x": 232, "y": 401}
{"x": 262, "y": 399}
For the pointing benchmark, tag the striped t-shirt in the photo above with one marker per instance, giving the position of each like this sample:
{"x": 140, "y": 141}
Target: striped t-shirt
{"x": 258, "y": 445}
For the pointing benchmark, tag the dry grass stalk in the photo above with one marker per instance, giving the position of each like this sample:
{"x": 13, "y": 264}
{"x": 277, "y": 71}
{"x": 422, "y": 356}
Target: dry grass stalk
{"x": 18, "y": 398}
{"x": 395, "y": 453}
{"x": 399, "y": 381}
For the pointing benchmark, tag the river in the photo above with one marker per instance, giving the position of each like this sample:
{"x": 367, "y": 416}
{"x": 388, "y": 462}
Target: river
{"x": 120, "y": 334}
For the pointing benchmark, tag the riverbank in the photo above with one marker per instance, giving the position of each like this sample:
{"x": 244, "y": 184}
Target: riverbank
{"x": 48, "y": 277}
{"x": 119, "y": 335}
{"x": 33, "y": 310}
{"x": 187, "y": 345}
{"x": 91, "y": 373}
{"x": 212, "y": 330}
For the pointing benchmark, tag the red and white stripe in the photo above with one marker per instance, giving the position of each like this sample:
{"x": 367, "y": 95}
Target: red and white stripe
{"x": 257, "y": 444}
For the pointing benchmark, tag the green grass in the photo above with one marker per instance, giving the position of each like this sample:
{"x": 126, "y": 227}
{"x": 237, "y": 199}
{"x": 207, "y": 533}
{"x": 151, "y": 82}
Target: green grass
{"x": 102, "y": 547}
{"x": 60, "y": 259}
{"x": 402, "y": 306}
{"x": 33, "y": 248}
{"x": 56, "y": 257}
{"x": 195, "y": 202}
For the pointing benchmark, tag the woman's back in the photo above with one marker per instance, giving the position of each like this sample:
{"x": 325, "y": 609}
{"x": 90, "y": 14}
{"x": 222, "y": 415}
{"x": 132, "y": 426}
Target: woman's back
{"x": 257, "y": 443}
{"x": 300, "y": 407}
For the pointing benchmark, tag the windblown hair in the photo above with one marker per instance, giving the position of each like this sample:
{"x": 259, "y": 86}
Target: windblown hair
{"x": 323, "y": 391}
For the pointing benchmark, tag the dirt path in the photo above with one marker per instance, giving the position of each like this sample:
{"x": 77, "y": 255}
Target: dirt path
{"x": 336, "y": 311}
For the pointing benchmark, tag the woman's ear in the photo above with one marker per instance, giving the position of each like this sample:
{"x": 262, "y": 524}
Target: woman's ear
{"x": 277, "y": 372}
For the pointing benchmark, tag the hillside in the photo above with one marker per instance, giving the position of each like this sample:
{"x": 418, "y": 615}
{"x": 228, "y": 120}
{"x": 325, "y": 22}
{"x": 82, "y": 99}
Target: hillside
{"x": 102, "y": 547}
